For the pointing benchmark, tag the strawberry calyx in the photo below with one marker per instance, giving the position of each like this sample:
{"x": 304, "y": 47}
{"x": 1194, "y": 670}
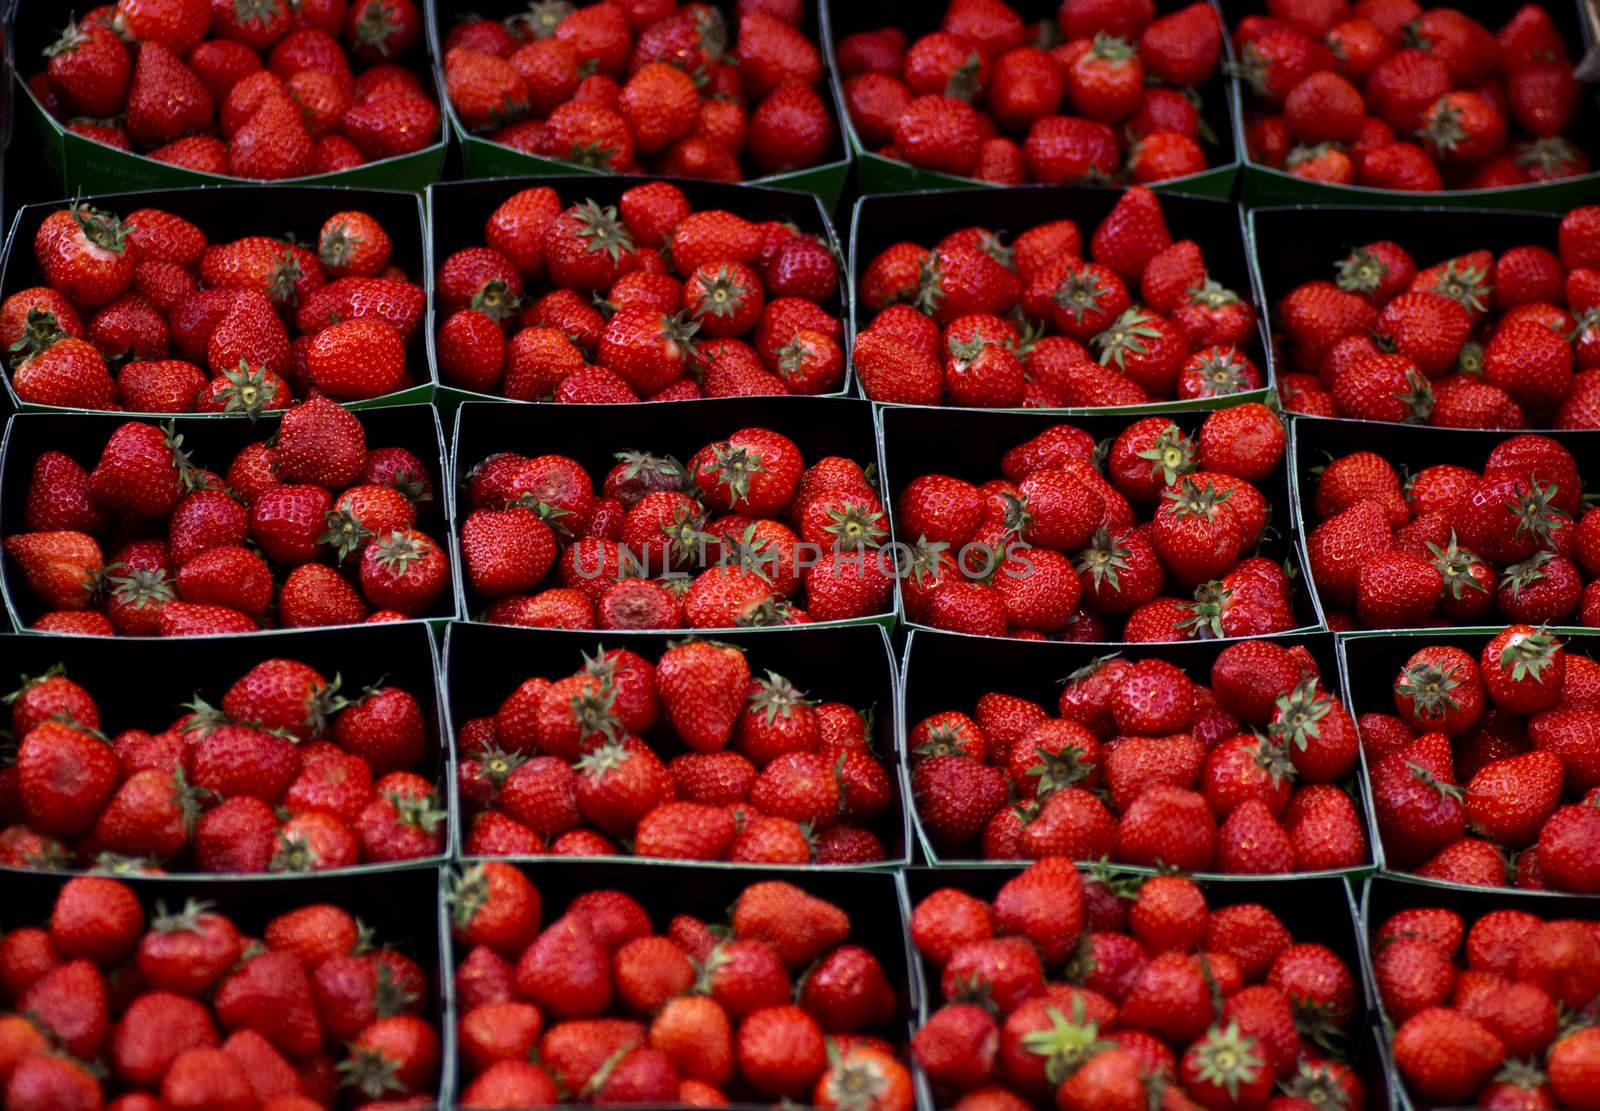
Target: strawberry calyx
{"x": 1171, "y": 455}
{"x": 1226, "y": 1058}
{"x": 293, "y": 854}
{"x": 1080, "y": 292}
{"x": 1361, "y": 271}
{"x": 1318, "y": 1085}
{"x": 1534, "y": 509}
{"x": 424, "y": 813}
{"x": 1271, "y": 757}
{"x": 39, "y": 333}
{"x": 602, "y": 1075}
{"x": 1221, "y": 372}
{"x": 203, "y": 718}
{"x": 943, "y": 740}
{"x": 59, "y": 668}
{"x": 1110, "y": 48}
{"x": 1068, "y": 1044}
{"x": 925, "y": 562}
{"x": 49, "y": 855}
{"x": 1428, "y": 779}
{"x": 188, "y": 797}
{"x": 1528, "y": 657}
{"x": 975, "y": 990}
{"x": 495, "y": 766}
{"x": 374, "y": 27}
{"x": 1125, "y": 337}
{"x": 1103, "y": 561}
{"x": 1205, "y": 611}
{"x": 1318, "y": 1024}
{"x": 495, "y": 300}
{"x": 1298, "y": 713}
{"x": 105, "y": 864}
{"x": 734, "y": 465}
{"x": 1029, "y": 333}
{"x": 283, "y": 280}
{"x": 103, "y": 229}
{"x": 398, "y": 552}
{"x": 766, "y": 614}
{"x": 1254, "y": 66}
{"x": 601, "y": 229}
{"x": 1521, "y": 1073}
{"x": 1588, "y": 321}
{"x": 338, "y": 244}
{"x": 466, "y": 893}
{"x": 1467, "y": 284}
{"x": 1444, "y": 127}
{"x": 72, "y": 36}
{"x": 1553, "y": 157}
{"x": 594, "y": 711}
{"x": 1308, "y": 152}
{"x": 930, "y": 286}
{"x": 1521, "y": 576}
{"x": 1455, "y": 564}
{"x": 854, "y": 527}
{"x": 541, "y": 18}
{"x": 1418, "y": 398}
{"x": 1057, "y": 770}
{"x": 1469, "y": 360}
{"x": 248, "y": 391}
{"x": 346, "y": 534}
{"x": 1190, "y": 499}
{"x": 1090, "y": 669}
{"x": 723, "y": 294}
{"x": 856, "y": 1082}
{"x": 963, "y": 83}
{"x": 775, "y": 695}
{"x": 1212, "y": 294}
{"x": 186, "y": 920}
{"x": 370, "y": 1071}
{"x": 1428, "y": 686}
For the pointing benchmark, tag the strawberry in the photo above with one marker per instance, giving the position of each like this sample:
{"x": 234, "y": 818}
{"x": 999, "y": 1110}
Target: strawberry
{"x": 89, "y": 68}
{"x": 1446, "y": 1055}
{"x": 166, "y": 98}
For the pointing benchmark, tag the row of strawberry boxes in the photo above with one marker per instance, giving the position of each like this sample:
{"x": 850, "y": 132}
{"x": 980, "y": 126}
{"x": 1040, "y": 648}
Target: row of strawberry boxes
{"x": 902, "y": 443}
{"x": 411, "y": 911}
{"x": 1226, "y": 104}
{"x": 943, "y": 674}
{"x": 86, "y": 165}
{"x": 1262, "y": 255}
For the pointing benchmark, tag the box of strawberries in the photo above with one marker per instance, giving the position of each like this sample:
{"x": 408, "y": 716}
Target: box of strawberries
{"x": 233, "y": 299}
{"x": 1096, "y": 989}
{"x": 1392, "y": 101}
{"x": 136, "y": 96}
{"x": 317, "y": 751}
{"x": 116, "y": 525}
{"x": 227, "y": 993}
{"x": 1478, "y": 755}
{"x": 1486, "y": 527}
{"x": 1055, "y": 298}
{"x": 764, "y": 748}
{"x": 718, "y": 91}
{"x": 679, "y": 986}
{"x": 739, "y": 512}
{"x": 1234, "y": 759}
{"x": 981, "y": 92}
{"x": 548, "y": 288}
{"x": 1475, "y": 990}
{"x": 1445, "y": 317}
{"x": 1009, "y": 528}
